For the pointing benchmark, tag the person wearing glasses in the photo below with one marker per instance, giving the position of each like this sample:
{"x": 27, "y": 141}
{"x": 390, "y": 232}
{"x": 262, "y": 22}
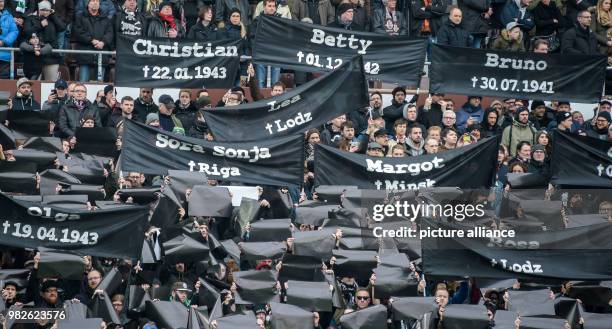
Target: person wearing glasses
{"x": 580, "y": 40}
{"x": 73, "y": 112}
{"x": 143, "y": 105}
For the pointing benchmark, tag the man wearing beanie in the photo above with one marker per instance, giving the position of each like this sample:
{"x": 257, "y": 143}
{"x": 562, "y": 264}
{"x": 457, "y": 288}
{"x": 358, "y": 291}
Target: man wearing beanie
{"x": 600, "y": 129}
{"x": 46, "y": 25}
{"x": 520, "y": 130}
{"x": 539, "y": 163}
{"x": 540, "y": 116}
{"x": 344, "y": 17}
{"x": 396, "y": 109}
{"x": 167, "y": 120}
{"x": 564, "y": 121}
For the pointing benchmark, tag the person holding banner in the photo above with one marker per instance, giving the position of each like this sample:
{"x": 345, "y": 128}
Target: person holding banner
{"x": 269, "y": 9}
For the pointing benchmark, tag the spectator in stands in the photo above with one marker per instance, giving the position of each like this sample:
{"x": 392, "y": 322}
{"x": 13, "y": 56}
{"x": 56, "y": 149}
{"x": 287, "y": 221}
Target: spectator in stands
{"x": 523, "y": 153}
{"x": 515, "y": 11}
{"x": 574, "y": 7}
{"x": 73, "y": 112}
{"x": 93, "y": 31}
{"x": 540, "y": 117}
{"x": 143, "y": 105}
{"x": 46, "y": 25}
{"x": 106, "y": 8}
{"x": 471, "y": 112}
{"x": 540, "y": 46}
{"x": 601, "y": 127}
{"x": 361, "y": 19}
{"x": 57, "y": 98}
{"x": 167, "y": 120}
{"x": 185, "y": 108}
{"x": 548, "y": 19}
{"x": 520, "y": 130}
{"x": 510, "y": 39}
{"x": 282, "y": 9}
{"x": 476, "y": 15}
{"x": 489, "y": 123}
{"x": 165, "y": 24}
{"x": 430, "y": 114}
{"x": 580, "y": 39}
{"x": 234, "y": 28}
{"x": 434, "y": 132}
{"x": 375, "y": 150}
{"x": 24, "y": 99}
{"x": 225, "y": 8}
{"x": 106, "y": 105}
{"x": 64, "y": 10}
{"x": 321, "y": 12}
{"x": 332, "y": 132}
{"x": 538, "y": 163}
{"x": 432, "y": 146}
{"x": 449, "y": 118}
{"x": 449, "y": 139}
{"x": 396, "y": 109}
{"x": 601, "y": 23}
{"x": 474, "y": 130}
{"x": 452, "y": 33}
{"x": 415, "y": 142}
{"x": 400, "y": 130}
{"x": 269, "y": 9}
{"x": 204, "y": 29}
{"x": 410, "y": 113}
{"x": 8, "y": 35}
{"x": 118, "y": 118}
{"x": 34, "y": 54}
{"x": 344, "y": 17}
{"x": 389, "y": 20}
{"x": 129, "y": 20}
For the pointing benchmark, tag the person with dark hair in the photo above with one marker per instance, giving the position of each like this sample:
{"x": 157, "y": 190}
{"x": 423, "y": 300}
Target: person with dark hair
{"x": 449, "y": 139}
{"x": 143, "y": 105}
{"x": 471, "y": 112}
{"x": 580, "y": 39}
{"x": 118, "y": 118}
{"x": 129, "y": 21}
{"x": 73, "y": 112}
{"x": 204, "y": 29}
{"x": 520, "y": 130}
{"x": 415, "y": 141}
{"x": 601, "y": 127}
{"x": 225, "y": 8}
{"x": 396, "y": 109}
{"x": 165, "y": 24}
{"x": 489, "y": 123}
{"x": 523, "y": 153}
{"x": 93, "y": 31}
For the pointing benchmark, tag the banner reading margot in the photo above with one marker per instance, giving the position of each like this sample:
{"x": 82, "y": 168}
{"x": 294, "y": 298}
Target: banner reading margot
{"x": 165, "y": 63}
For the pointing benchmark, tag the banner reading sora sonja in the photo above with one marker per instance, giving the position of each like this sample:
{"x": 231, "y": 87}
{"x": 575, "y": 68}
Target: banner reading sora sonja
{"x": 166, "y": 63}
{"x": 576, "y": 78}
{"x": 116, "y": 233}
{"x": 277, "y": 162}
{"x": 467, "y": 167}
{"x": 314, "y": 48}
{"x": 308, "y": 106}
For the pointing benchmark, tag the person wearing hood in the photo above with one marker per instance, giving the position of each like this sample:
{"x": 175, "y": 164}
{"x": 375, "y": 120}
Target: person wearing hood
{"x": 8, "y": 35}
{"x": 24, "y": 99}
{"x": 511, "y": 39}
{"x": 520, "y": 130}
{"x": 93, "y": 31}
{"x": 601, "y": 127}
{"x": 129, "y": 21}
{"x": 204, "y": 29}
{"x": 540, "y": 116}
{"x": 489, "y": 123}
{"x": 46, "y": 25}
{"x": 415, "y": 141}
{"x": 71, "y": 114}
{"x": 470, "y": 113}
{"x": 344, "y": 17}
{"x": 388, "y": 20}
{"x": 165, "y": 24}
{"x": 539, "y": 161}
{"x": 452, "y": 32}
{"x": 396, "y": 109}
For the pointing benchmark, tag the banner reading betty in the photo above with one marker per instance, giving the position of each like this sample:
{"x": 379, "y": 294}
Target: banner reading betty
{"x": 165, "y": 63}
{"x": 314, "y": 48}
{"x": 576, "y": 78}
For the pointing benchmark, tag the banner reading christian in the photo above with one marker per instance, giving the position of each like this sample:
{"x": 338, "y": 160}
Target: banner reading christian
{"x": 467, "y": 167}
{"x": 308, "y": 106}
{"x": 576, "y": 78}
{"x": 313, "y": 48}
{"x": 581, "y": 162}
{"x": 166, "y": 63}
{"x": 116, "y": 233}
{"x": 277, "y": 162}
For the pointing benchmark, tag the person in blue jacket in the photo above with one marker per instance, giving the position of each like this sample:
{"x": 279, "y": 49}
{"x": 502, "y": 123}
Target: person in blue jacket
{"x": 9, "y": 33}
{"x": 516, "y": 11}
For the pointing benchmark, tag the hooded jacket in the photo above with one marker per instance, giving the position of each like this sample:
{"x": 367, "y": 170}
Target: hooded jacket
{"x": 25, "y": 103}
{"x": 467, "y": 111}
{"x": 414, "y": 150}
{"x": 513, "y": 12}
{"x": 503, "y": 42}
{"x": 487, "y": 130}
{"x": 517, "y": 132}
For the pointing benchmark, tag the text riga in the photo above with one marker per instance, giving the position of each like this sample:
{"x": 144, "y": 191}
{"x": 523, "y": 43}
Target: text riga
{"x": 253, "y": 155}
{"x": 340, "y": 41}
{"x": 493, "y": 60}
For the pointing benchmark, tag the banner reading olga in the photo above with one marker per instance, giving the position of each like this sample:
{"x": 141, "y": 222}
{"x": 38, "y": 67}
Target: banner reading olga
{"x": 165, "y": 63}
{"x": 277, "y": 162}
{"x": 576, "y": 78}
{"x": 467, "y": 167}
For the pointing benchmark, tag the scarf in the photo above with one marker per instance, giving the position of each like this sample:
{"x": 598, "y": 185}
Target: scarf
{"x": 80, "y": 105}
{"x": 604, "y": 17}
{"x": 168, "y": 19}
{"x": 426, "y": 28}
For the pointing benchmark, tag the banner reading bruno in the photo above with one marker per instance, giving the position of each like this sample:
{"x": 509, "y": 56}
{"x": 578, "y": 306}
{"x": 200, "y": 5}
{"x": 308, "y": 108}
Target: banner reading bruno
{"x": 277, "y": 162}
{"x": 313, "y": 48}
{"x": 576, "y": 78}
{"x": 308, "y": 106}
{"x": 166, "y": 63}
{"x": 575, "y": 253}
{"x": 580, "y": 161}
{"x": 116, "y": 233}
{"x": 467, "y": 167}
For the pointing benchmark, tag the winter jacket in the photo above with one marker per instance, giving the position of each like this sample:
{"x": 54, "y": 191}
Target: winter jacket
{"x": 543, "y": 17}
{"x": 579, "y": 41}
{"x": 64, "y": 9}
{"x": 130, "y": 24}
{"x": 600, "y": 31}
{"x": 70, "y": 117}
{"x": 436, "y": 13}
{"x": 107, "y": 8}
{"x": 575, "y": 6}
{"x": 203, "y": 32}
{"x": 25, "y": 103}
{"x": 414, "y": 150}
{"x": 33, "y": 64}
{"x": 487, "y": 130}
{"x": 142, "y": 109}
{"x": 392, "y": 113}
{"x": 159, "y": 29}
{"x": 512, "y": 13}
{"x": 431, "y": 117}
{"x": 503, "y": 42}
{"x": 592, "y": 131}
{"x": 8, "y": 35}
{"x": 299, "y": 10}
{"x": 88, "y": 27}
{"x": 473, "y": 10}
{"x": 379, "y": 18}
{"x": 55, "y": 106}
{"x": 185, "y": 114}
{"x": 454, "y": 35}
{"x": 223, "y": 7}
{"x": 466, "y": 112}
{"x": 282, "y": 10}
{"x": 516, "y": 133}
{"x": 47, "y": 34}
{"x": 231, "y": 31}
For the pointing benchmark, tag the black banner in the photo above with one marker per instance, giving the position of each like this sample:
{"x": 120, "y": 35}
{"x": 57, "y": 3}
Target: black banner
{"x": 576, "y": 78}
{"x": 467, "y": 167}
{"x": 576, "y": 253}
{"x": 308, "y": 106}
{"x": 580, "y": 161}
{"x": 117, "y": 233}
{"x": 166, "y": 63}
{"x": 314, "y": 48}
{"x": 277, "y": 162}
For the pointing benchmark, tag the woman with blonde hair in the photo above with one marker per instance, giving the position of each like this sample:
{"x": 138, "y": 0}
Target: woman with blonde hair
{"x": 601, "y": 24}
